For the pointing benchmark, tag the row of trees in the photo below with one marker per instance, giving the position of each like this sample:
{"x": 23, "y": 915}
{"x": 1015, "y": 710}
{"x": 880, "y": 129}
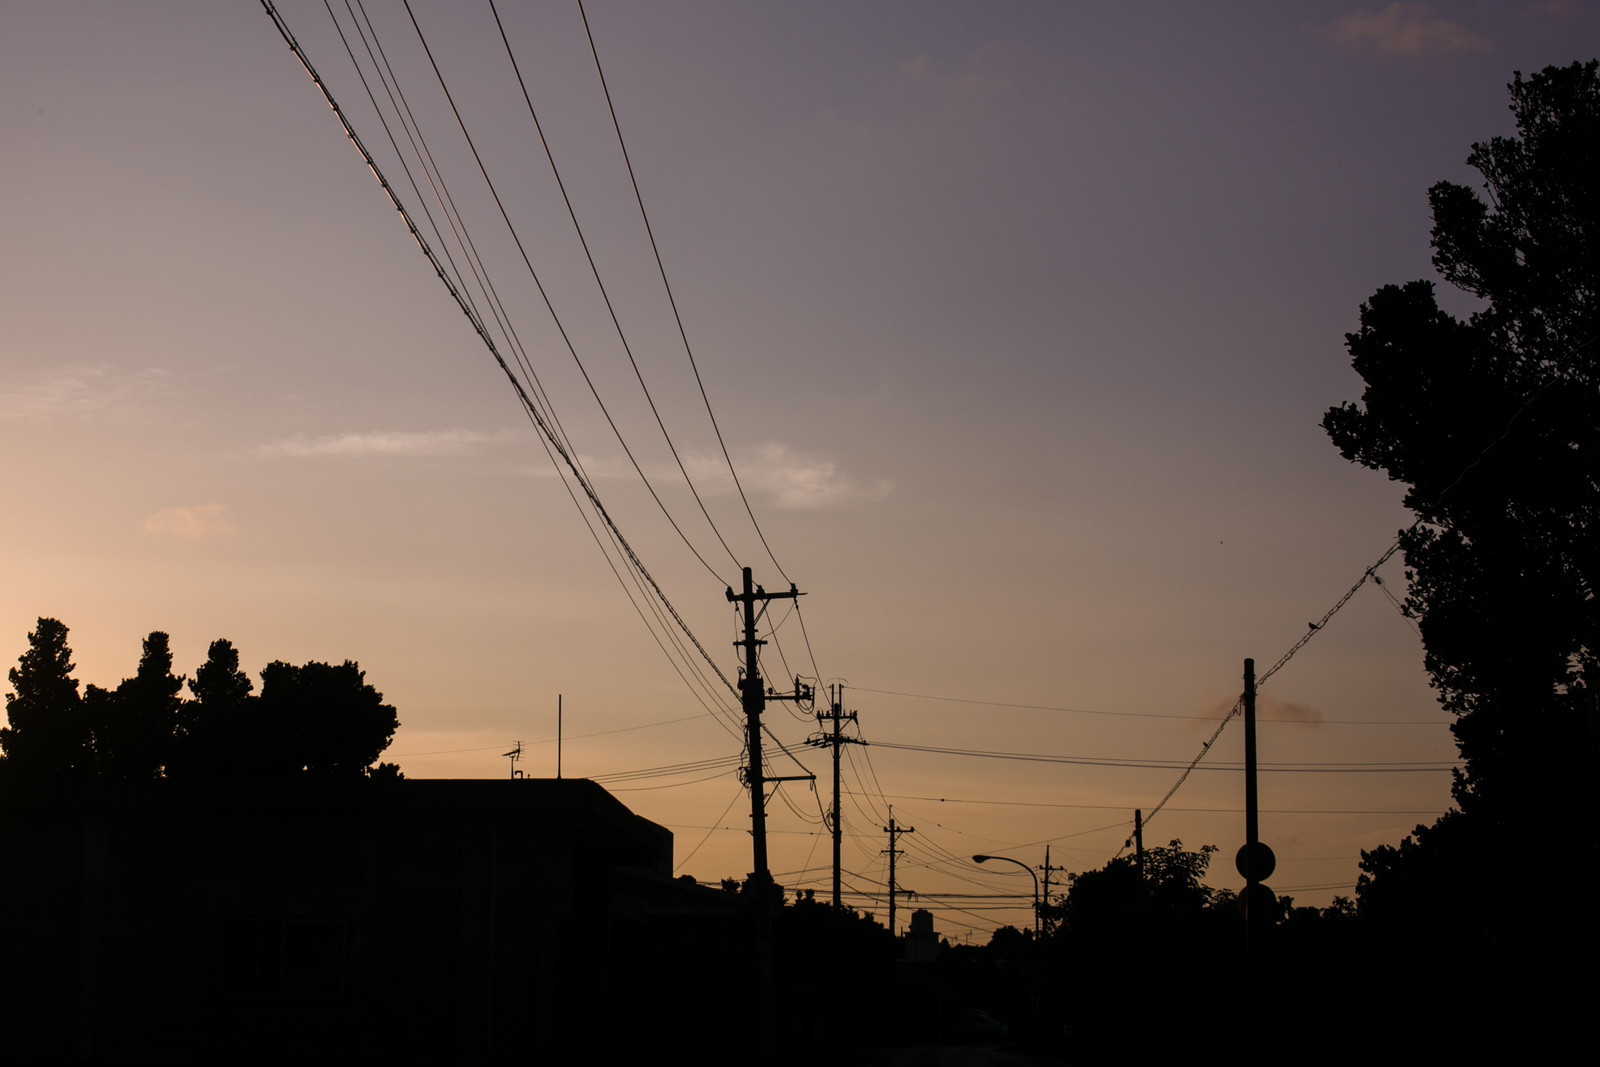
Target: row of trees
{"x": 317, "y": 719}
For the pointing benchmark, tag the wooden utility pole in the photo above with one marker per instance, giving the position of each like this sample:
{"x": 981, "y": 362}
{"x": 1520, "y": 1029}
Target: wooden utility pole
{"x": 753, "y": 697}
{"x": 1138, "y": 840}
{"x": 1252, "y": 826}
{"x": 838, "y": 716}
{"x": 894, "y": 833}
{"x": 1044, "y": 901}
{"x": 1255, "y": 861}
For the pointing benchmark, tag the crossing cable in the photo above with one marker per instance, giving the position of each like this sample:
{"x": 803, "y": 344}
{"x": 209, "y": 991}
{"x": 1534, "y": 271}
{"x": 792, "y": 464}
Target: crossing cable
{"x": 1238, "y": 706}
{"x": 672, "y": 300}
{"x": 604, "y": 293}
{"x": 478, "y": 327}
{"x": 545, "y": 296}
{"x": 1370, "y": 572}
{"x": 1367, "y": 575}
{"x": 715, "y": 824}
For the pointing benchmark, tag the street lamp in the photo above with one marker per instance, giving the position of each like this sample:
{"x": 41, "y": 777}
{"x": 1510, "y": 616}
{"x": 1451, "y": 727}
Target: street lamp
{"x": 1037, "y": 910}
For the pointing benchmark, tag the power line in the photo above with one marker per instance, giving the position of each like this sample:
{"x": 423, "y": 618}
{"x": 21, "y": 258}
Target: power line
{"x": 480, "y": 274}
{"x": 604, "y": 293}
{"x": 1149, "y": 714}
{"x": 1316, "y": 628}
{"x": 545, "y": 296}
{"x": 671, "y": 299}
{"x": 737, "y": 794}
{"x": 534, "y": 413}
{"x": 1365, "y": 767}
{"x": 1192, "y": 811}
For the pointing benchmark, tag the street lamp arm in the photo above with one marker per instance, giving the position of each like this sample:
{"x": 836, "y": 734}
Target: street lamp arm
{"x": 1038, "y": 911}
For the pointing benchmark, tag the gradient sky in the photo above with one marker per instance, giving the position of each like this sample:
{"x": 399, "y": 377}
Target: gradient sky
{"x": 1018, "y": 319}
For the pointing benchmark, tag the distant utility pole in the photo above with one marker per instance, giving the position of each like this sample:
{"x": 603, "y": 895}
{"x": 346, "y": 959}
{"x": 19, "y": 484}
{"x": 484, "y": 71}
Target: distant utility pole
{"x": 1138, "y": 839}
{"x": 836, "y": 715}
{"x": 894, "y": 833}
{"x": 1047, "y": 871}
{"x": 753, "y": 697}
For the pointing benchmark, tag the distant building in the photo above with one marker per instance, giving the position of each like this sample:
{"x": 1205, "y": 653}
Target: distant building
{"x": 921, "y": 944}
{"x": 416, "y": 921}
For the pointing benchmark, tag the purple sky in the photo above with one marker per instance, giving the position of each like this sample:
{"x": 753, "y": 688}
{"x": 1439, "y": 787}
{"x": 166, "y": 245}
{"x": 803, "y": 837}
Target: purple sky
{"x": 1018, "y": 320}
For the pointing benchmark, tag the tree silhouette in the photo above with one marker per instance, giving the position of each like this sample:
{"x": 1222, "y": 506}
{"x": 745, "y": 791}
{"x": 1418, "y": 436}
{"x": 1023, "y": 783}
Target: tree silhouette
{"x": 48, "y": 735}
{"x": 1494, "y": 425}
{"x": 1163, "y": 891}
{"x": 314, "y": 720}
{"x": 325, "y": 721}
{"x": 133, "y": 725}
{"x": 1124, "y": 928}
{"x": 214, "y": 727}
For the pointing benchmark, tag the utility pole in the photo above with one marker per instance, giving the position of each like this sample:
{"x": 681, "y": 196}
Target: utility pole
{"x": 1254, "y": 861}
{"x": 1252, "y": 825}
{"x": 753, "y": 697}
{"x": 1138, "y": 839}
{"x": 894, "y": 833}
{"x": 838, "y": 716}
{"x": 1048, "y": 870}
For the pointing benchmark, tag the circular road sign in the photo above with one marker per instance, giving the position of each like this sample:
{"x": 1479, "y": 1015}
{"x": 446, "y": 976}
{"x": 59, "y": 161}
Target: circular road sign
{"x": 1256, "y": 862}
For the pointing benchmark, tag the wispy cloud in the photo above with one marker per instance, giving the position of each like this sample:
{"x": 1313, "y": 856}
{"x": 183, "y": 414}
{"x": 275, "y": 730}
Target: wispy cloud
{"x": 1406, "y": 29}
{"x": 988, "y": 70}
{"x": 788, "y": 479}
{"x": 1286, "y": 711}
{"x": 1556, "y": 9}
{"x": 1268, "y": 709}
{"x": 377, "y": 443}
{"x": 78, "y": 392}
{"x": 191, "y": 524}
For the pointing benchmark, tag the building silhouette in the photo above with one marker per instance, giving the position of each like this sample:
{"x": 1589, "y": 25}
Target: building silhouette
{"x": 305, "y": 921}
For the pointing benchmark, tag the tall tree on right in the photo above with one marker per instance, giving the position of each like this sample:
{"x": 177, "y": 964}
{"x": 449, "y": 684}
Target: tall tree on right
{"x": 1493, "y": 422}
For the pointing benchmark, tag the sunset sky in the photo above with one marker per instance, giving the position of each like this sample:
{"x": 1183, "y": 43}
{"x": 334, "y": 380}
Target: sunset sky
{"x": 1018, "y": 320}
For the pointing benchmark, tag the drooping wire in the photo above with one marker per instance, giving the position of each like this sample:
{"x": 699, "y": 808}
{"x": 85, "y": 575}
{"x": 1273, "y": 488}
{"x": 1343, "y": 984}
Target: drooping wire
{"x": 480, "y": 274}
{"x": 477, "y": 324}
{"x": 604, "y": 293}
{"x": 1354, "y": 767}
{"x": 714, "y": 826}
{"x": 545, "y": 296}
{"x": 447, "y": 204}
{"x": 672, "y": 300}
